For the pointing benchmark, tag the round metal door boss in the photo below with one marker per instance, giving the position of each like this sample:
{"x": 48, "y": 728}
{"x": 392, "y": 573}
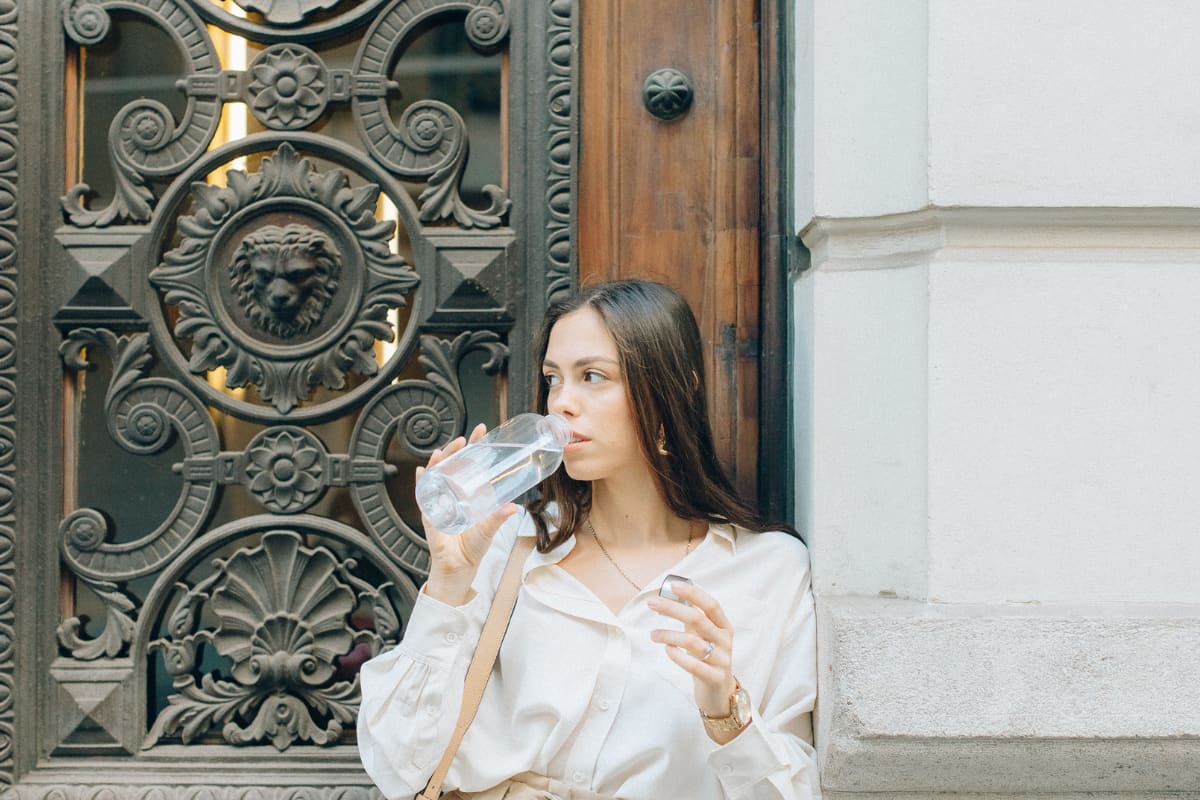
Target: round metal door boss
{"x": 667, "y": 93}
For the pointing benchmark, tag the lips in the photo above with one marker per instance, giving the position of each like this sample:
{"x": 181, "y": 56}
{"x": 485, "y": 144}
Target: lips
{"x": 577, "y": 441}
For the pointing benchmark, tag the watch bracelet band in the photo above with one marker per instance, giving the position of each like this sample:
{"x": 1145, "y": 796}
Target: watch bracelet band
{"x": 730, "y": 722}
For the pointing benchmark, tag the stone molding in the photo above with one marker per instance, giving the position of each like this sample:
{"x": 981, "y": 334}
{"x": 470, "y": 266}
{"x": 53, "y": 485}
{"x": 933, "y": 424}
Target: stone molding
{"x": 981, "y": 233}
{"x": 10, "y": 196}
{"x": 918, "y": 699}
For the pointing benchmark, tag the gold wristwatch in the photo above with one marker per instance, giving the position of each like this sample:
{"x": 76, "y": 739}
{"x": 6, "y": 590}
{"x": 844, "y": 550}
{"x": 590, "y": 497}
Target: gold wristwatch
{"x": 738, "y": 716}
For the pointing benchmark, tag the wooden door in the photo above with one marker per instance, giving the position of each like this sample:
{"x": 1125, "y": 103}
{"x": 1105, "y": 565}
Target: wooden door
{"x": 205, "y": 499}
{"x": 681, "y": 200}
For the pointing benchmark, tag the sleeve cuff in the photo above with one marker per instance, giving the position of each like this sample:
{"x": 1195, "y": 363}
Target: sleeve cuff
{"x": 746, "y": 760}
{"x": 437, "y": 632}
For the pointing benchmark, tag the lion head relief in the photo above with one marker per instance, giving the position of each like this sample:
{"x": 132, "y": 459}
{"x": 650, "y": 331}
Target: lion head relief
{"x": 285, "y": 278}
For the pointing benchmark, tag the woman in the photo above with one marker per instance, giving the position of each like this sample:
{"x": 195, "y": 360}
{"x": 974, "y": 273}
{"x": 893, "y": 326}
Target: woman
{"x": 603, "y": 688}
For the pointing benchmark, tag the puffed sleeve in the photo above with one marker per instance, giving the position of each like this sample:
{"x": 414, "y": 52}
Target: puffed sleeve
{"x": 773, "y": 758}
{"x": 411, "y": 695}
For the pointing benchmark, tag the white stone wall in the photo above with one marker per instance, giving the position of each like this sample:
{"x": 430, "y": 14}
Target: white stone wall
{"x": 997, "y": 392}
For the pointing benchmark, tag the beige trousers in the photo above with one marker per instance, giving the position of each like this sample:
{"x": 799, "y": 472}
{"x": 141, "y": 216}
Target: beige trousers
{"x": 528, "y": 786}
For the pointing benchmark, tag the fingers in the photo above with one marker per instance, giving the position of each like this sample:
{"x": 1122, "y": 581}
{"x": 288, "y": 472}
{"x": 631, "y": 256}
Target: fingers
{"x": 456, "y": 559}
{"x": 491, "y": 523}
{"x": 694, "y": 617}
{"x": 696, "y": 647}
{"x": 704, "y": 648}
{"x": 477, "y": 539}
{"x": 442, "y": 453}
{"x": 704, "y": 601}
{"x": 712, "y": 676}
{"x": 715, "y": 676}
{"x": 485, "y": 530}
{"x": 478, "y": 432}
{"x": 453, "y": 446}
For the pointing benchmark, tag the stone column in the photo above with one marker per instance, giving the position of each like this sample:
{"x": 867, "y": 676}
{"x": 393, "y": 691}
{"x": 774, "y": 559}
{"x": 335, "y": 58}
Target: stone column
{"x": 996, "y": 363}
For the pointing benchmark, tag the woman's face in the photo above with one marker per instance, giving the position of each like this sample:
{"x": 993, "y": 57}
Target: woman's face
{"x": 586, "y": 385}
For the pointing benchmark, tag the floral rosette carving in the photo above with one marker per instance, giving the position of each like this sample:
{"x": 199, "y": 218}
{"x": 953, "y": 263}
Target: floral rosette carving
{"x": 373, "y": 281}
{"x": 282, "y": 621}
{"x": 287, "y": 87}
{"x": 286, "y": 468}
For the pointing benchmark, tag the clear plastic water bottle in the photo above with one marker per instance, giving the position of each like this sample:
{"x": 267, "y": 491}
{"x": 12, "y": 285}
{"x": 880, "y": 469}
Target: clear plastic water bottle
{"x": 507, "y": 462}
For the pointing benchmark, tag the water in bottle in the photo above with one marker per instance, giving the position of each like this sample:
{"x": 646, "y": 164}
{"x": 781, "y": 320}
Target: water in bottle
{"x": 507, "y": 462}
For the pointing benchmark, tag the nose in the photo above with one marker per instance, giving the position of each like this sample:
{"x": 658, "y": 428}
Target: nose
{"x": 279, "y": 291}
{"x": 562, "y": 401}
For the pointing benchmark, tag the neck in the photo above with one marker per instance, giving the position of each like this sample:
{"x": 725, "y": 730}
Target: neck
{"x": 631, "y": 512}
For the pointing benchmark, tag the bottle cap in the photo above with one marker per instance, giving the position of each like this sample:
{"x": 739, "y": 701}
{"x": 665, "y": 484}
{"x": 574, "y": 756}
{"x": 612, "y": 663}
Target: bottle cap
{"x": 557, "y": 428}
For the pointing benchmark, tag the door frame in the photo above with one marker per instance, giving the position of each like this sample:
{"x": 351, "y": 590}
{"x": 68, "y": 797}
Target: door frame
{"x": 778, "y": 257}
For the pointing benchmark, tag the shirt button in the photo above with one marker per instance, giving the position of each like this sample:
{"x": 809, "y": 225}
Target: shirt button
{"x": 603, "y": 705}
{"x": 451, "y": 637}
{"x": 578, "y": 776}
{"x": 431, "y": 710}
{"x": 725, "y": 769}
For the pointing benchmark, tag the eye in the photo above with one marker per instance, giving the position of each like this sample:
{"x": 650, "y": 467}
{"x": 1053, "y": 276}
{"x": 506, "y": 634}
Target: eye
{"x": 592, "y": 376}
{"x": 551, "y": 379}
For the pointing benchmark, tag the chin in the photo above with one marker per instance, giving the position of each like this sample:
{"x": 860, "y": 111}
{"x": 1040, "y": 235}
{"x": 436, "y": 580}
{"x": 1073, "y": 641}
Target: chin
{"x": 578, "y": 471}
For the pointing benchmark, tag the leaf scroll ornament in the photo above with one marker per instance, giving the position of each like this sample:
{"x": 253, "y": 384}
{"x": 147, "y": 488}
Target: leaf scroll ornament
{"x": 118, "y": 623}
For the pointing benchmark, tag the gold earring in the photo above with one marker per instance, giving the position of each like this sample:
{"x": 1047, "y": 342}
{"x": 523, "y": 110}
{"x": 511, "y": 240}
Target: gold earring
{"x": 661, "y": 442}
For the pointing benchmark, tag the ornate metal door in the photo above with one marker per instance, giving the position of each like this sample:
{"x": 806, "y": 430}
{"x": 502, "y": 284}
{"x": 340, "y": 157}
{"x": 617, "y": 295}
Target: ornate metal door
{"x": 286, "y": 294}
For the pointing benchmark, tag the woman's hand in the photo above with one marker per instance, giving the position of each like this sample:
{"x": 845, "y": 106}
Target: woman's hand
{"x": 456, "y": 559}
{"x": 704, "y": 624}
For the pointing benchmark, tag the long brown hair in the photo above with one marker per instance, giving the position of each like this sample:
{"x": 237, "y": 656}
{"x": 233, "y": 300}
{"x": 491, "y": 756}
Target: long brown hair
{"x": 661, "y": 357}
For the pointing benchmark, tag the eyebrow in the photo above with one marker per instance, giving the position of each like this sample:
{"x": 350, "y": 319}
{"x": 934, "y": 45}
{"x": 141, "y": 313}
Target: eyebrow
{"x": 579, "y": 362}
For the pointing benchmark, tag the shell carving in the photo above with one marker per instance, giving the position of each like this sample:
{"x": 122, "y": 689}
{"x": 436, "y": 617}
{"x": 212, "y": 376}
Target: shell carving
{"x": 282, "y": 611}
{"x": 280, "y": 614}
{"x": 286, "y": 12}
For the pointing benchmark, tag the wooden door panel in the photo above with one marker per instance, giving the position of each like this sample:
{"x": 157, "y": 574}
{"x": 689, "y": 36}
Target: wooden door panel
{"x": 679, "y": 201}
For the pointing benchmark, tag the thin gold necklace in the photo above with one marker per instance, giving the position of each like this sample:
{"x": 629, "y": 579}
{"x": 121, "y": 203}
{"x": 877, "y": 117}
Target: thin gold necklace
{"x": 613, "y": 561}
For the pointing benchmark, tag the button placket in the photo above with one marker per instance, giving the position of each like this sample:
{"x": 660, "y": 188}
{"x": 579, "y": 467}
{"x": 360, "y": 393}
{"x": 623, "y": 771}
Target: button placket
{"x": 609, "y": 686}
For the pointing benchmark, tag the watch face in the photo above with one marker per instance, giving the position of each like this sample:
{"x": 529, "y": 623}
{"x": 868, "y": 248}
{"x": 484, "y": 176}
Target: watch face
{"x": 741, "y": 706}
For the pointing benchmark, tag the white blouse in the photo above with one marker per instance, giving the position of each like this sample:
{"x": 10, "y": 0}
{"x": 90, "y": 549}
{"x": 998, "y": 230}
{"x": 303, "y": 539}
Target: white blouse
{"x": 584, "y": 696}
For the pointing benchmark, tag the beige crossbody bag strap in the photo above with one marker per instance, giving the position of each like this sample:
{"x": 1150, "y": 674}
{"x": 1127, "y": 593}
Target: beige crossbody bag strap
{"x": 486, "y": 651}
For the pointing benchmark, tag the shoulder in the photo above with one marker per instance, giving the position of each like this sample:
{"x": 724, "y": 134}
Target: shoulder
{"x": 492, "y": 566}
{"x": 775, "y": 559}
{"x": 770, "y": 544}
{"x": 763, "y": 581}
